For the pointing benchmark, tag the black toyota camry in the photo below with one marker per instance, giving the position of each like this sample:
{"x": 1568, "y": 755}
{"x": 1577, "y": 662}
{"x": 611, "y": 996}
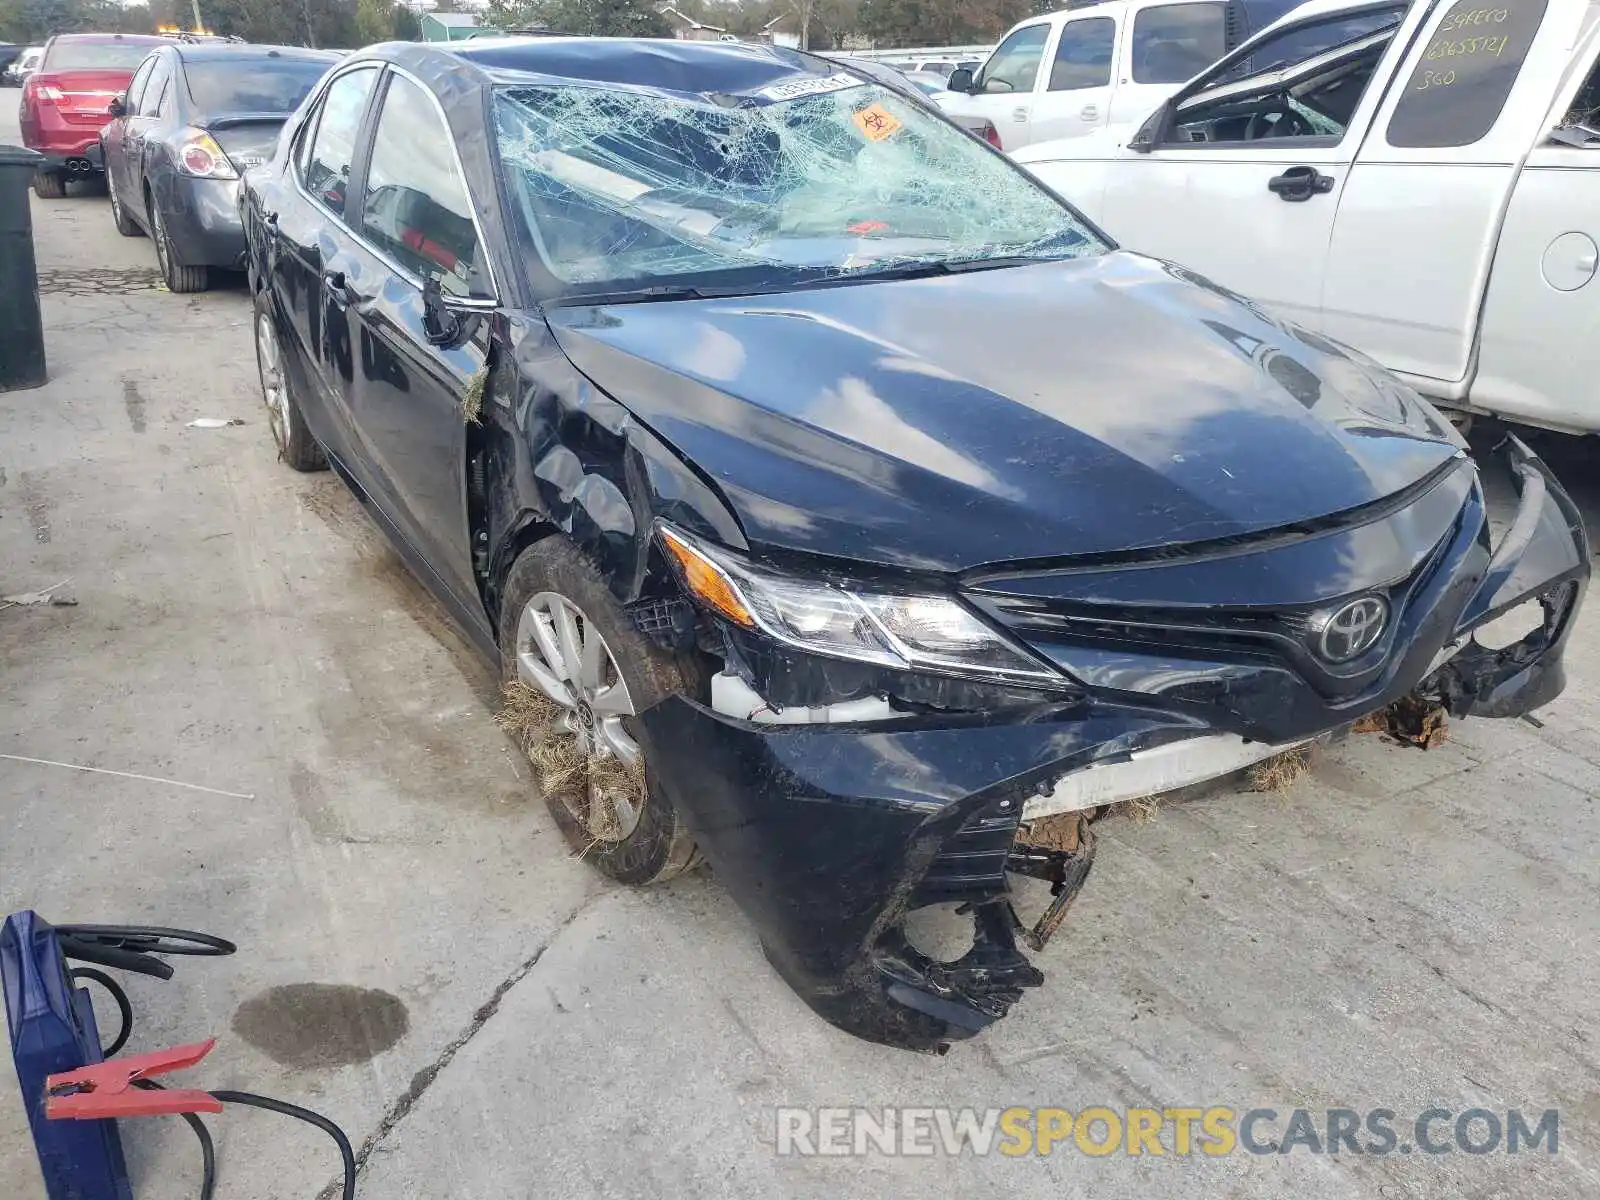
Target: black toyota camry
{"x": 838, "y": 504}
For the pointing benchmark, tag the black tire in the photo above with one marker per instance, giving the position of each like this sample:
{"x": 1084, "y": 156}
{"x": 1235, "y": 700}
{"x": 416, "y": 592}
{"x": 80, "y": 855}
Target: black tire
{"x": 295, "y": 444}
{"x": 48, "y": 185}
{"x": 660, "y": 846}
{"x": 178, "y": 278}
{"x": 125, "y": 224}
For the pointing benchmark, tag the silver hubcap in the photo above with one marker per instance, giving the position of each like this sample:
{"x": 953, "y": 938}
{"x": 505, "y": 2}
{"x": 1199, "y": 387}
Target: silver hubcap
{"x": 562, "y": 654}
{"x": 273, "y": 391}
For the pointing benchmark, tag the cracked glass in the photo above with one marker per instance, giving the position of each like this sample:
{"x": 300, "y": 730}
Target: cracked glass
{"x": 818, "y": 177}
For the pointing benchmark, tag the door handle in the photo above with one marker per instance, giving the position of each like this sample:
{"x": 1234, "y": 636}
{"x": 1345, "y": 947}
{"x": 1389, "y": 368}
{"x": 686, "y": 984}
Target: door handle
{"x": 1020, "y": 113}
{"x": 1298, "y": 184}
{"x": 1089, "y": 112}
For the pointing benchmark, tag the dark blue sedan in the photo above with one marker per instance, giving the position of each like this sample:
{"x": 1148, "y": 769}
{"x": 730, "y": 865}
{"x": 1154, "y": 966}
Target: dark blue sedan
{"x": 837, "y": 503}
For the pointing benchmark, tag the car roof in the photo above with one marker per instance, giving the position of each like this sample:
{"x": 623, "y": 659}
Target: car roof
{"x": 150, "y": 39}
{"x": 222, "y": 51}
{"x": 670, "y": 66}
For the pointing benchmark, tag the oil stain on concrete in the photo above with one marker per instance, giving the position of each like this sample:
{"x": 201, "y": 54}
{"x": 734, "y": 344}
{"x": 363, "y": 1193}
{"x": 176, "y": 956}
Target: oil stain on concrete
{"x": 305, "y": 1025}
{"x": 134, "y": 403}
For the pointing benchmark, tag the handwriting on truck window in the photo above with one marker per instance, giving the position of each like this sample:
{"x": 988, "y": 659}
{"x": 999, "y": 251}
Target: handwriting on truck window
{"x": 1445, "y": 48}
{"x": 1478, "y": 16}
{"x": 1459, "y": 84}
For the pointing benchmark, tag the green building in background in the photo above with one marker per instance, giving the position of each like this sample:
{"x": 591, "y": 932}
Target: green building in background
{"x": 453, "y": 27}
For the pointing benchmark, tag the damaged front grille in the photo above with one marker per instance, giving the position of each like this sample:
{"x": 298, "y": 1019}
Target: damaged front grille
{"x": 1265, "y": 601}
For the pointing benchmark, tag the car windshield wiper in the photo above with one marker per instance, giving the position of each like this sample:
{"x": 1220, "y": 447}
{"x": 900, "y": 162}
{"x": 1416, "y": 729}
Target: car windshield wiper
{"x": 661, "y": 291}
{"x": 960, "y": 266}
{"x": 795, "y": 280}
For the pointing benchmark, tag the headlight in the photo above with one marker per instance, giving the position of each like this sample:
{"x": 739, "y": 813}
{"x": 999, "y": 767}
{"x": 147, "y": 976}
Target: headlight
{"x": 909, "y": 632}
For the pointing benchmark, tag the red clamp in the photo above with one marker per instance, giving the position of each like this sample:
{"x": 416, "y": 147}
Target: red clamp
{"x": 107, "y": 1089}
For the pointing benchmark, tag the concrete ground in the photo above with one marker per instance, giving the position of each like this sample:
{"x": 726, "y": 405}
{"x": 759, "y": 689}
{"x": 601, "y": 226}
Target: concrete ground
{"x": 422, "y": 961}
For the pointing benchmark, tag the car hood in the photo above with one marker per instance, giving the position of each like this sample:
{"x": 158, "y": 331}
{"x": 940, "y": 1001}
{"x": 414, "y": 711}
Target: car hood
{"x": 1061, "y": 409}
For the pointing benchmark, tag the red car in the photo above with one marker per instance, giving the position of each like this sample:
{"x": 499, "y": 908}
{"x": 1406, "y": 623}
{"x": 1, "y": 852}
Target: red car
{"x": 65, "y": 102}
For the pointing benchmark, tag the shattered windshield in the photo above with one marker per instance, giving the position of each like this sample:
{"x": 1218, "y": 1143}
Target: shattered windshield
{"x": 824, "y": 177}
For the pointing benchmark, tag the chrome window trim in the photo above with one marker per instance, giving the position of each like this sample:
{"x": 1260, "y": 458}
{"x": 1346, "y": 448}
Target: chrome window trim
{"x": 354, "y": 229}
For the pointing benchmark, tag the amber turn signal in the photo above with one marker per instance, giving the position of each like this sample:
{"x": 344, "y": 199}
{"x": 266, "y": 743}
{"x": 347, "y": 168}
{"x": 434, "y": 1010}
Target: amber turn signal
{"x": 705, "y": 581}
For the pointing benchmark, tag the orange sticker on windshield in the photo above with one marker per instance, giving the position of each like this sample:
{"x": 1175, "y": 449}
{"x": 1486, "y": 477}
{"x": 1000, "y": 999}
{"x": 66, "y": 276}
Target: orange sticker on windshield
{"x": 876, "y": 122}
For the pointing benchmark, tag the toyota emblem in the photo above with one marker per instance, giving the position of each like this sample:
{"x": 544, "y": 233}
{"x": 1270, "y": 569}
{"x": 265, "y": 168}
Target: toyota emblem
{"x": 1350, "y": 631}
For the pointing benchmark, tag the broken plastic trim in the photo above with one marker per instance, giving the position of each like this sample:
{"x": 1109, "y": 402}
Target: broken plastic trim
{"x": 1066, "y": 871}
{"x": 1547, "y": 537}
{"x": 1474, "y": 682}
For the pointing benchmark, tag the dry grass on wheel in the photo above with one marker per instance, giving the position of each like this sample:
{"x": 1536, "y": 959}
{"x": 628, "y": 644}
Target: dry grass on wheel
{"x": 530, "y": 716}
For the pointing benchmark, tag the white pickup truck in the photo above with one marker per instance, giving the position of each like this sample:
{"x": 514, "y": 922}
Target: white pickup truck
{"x": 1095, "y": 63}
{"x": 1420, "y": 181}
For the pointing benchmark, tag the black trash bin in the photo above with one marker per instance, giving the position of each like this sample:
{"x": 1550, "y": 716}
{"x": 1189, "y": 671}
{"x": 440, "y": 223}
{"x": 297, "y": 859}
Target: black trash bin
{"x": 21, "y": 328}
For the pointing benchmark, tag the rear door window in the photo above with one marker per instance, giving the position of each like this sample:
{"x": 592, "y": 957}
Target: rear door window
{"x": 415, "y": 207}
{"x": 1461, "y": 82}
{"x": 1173, "y": 43}
{"x": 155, "y": 87}
{"x": 333, "y": 145}
{"x": 1083, "y": 55}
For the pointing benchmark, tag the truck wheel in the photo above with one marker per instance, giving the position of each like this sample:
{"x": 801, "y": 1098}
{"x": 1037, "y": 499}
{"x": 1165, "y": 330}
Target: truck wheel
{"x": 576, "y": 672}
{"x": 178, "y": 278}
{"x": 48, "y": 185}
{"x": 296, "y": 446}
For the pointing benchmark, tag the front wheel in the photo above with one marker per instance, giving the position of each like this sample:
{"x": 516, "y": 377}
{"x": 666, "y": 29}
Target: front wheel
{"x": 577, "y": 672}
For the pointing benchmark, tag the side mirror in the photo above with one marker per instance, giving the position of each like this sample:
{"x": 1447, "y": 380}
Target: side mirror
{"x": 960, "y": 80}
{"x": 441, "y": 326}
{"x": 1150, "y": 132}
{"x": 118, "y": 107}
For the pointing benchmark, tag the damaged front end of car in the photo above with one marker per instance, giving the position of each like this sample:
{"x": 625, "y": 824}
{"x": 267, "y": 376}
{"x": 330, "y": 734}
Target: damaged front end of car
{"x": 871, "y": 751}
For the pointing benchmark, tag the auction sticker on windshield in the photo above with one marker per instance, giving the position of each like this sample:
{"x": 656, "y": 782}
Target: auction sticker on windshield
{"x": 876, "y": 122}
{"x": 796, "y": 88}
